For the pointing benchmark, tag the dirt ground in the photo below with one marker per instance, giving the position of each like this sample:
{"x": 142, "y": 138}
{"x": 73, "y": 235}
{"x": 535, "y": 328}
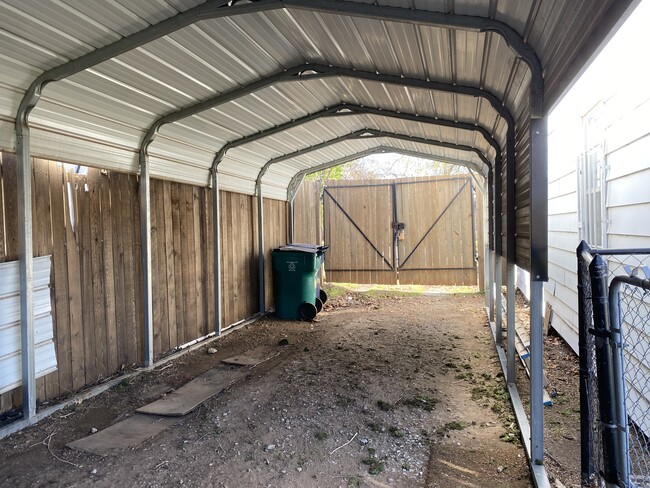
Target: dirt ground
{"x": 383, "y": 390}
{"x": 562, "y": 419}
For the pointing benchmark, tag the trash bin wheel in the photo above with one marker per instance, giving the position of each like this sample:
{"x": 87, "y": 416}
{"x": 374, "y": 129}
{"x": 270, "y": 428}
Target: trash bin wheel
{"x": 323, "y": 296}
{"x": 319, "y": 304}
{"x": 307, "y": 311}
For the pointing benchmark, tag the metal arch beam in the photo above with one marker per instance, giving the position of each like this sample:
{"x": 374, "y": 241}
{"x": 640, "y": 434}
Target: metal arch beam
{"x": 356, "y": 135}
{"x": 512, "y": 38}
{"x": 316, "y": 71}
{"x": 305, "y": 72}
{"x": 367, "y": 134}
{"x": 345, "y": 109}
{"x": 212, "y": 10}
{"x": 294, "y": 184}
{"x": 311, "y": 72}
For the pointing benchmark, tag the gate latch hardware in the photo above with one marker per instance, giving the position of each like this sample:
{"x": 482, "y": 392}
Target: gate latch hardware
{"x": 399, "y": 227}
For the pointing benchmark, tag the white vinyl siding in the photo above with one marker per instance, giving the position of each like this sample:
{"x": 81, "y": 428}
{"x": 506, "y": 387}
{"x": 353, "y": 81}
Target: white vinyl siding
{"x": 627, "y": 155}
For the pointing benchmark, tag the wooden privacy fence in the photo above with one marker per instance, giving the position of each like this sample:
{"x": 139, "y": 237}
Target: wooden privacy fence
{"x": 407, "y": 231}
{"x": 308, "y": 211}
{"x": 90, "y": 225}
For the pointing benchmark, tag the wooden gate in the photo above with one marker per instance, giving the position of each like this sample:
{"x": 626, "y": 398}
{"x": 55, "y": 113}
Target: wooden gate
{"x": 406, "y": 231}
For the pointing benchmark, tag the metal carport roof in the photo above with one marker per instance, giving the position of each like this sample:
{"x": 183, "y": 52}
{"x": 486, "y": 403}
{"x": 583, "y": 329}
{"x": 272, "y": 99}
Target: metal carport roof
{"x": 160, "y": 86}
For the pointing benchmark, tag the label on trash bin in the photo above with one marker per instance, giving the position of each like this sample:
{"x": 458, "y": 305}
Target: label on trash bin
{"x": 292, "y": 265}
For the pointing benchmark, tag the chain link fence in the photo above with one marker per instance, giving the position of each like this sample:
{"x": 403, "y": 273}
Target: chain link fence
{"x": 634, "y": 322}
{"x": 614, "y": 317}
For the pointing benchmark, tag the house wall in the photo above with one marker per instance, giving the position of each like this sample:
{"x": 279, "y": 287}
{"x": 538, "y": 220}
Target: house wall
{"x": 627, "y": 153}
{"x": 90, "y": 224}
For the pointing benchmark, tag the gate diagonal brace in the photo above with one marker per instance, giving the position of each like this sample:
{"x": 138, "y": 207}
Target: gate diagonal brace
{"x": 435, "y": 222}
{"x": 347, "y": 215}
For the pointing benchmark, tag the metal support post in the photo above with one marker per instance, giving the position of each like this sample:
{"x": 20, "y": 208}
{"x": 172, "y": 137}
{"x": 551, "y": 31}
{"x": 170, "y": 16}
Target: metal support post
{"x": 538, "y": 275}
{"x": 539, "y": 201}
{"x": 498, "y": 298}
{"x": 291, "y": 220}
{"x": 490, "y": 242}
{"x": 584, "y": 323}
{"x": 490, "y": 289}
{"x": 145, "y": 238}
{"x": 26, "y": 267}
{"x": 511, "y": 375}
{"x": 216, "y": 233}
{"x": 260, "y": 246}
{"x": 486, "y": 254}
{"x": 618, "y": 369}
{"x": 536, "y": 373}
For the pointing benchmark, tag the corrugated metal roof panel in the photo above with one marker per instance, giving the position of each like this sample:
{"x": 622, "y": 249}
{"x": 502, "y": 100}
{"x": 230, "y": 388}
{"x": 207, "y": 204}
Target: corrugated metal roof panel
{"x": 98, "y": 117}
{"x": 10, "y": 355}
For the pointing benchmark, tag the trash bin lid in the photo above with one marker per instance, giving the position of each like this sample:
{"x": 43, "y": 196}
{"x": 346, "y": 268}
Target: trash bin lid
{"x": 308, "y": 248}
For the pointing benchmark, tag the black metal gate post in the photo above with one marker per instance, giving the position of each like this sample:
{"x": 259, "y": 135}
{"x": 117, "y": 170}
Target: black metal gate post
{"x": 584, "y": 354}
{"x": 393, "y": 189}
{"x": 604, "y": 367}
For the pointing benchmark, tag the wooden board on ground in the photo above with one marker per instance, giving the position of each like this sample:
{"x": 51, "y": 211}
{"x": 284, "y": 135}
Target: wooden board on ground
{"x": 252, "y": 357}
{"x": 123, "y": 435}
{"x": 192, "y": 394}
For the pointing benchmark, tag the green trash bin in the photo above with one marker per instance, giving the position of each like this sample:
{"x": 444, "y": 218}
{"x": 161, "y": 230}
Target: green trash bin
{"x": 295, "y": 281}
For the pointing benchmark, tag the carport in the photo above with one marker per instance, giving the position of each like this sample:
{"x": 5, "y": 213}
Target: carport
{"x": 248, "y": 97}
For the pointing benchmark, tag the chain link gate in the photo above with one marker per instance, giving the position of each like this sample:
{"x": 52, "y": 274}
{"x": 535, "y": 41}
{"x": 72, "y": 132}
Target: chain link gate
{"x": 614, "y": 335}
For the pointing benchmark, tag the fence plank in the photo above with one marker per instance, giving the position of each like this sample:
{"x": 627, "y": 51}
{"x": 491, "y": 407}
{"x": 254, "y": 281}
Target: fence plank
{"x": 42, "y": 235}
{"x": 159, "y": 269}
{"x": 170, "y": 263}
{"x": 199, "y": 265}
{"x": 178, "y": 265}
{"x": 156, "y": 278}
{"x": 307, "y": 224}
{"x": 480, "y": 239}
{"x": 208, "y": 258}
{"x": 189, "y": 280}
{"x": 227, "y": 265}
{"x": 138, "y": 299}
{"x": 118, "y": 202}
{"x": 2, "y": 214}
{"x": 74, "y": 285}
{"x": 11, "y": 206}
{"x": 98, "y": 284}
{"x": 85, "y": 274}
{"x": 103, "y": 193}
{"x": 275, "y": 234}
{"x": 132, "y": 263}
{"x": 61, "y": 312}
